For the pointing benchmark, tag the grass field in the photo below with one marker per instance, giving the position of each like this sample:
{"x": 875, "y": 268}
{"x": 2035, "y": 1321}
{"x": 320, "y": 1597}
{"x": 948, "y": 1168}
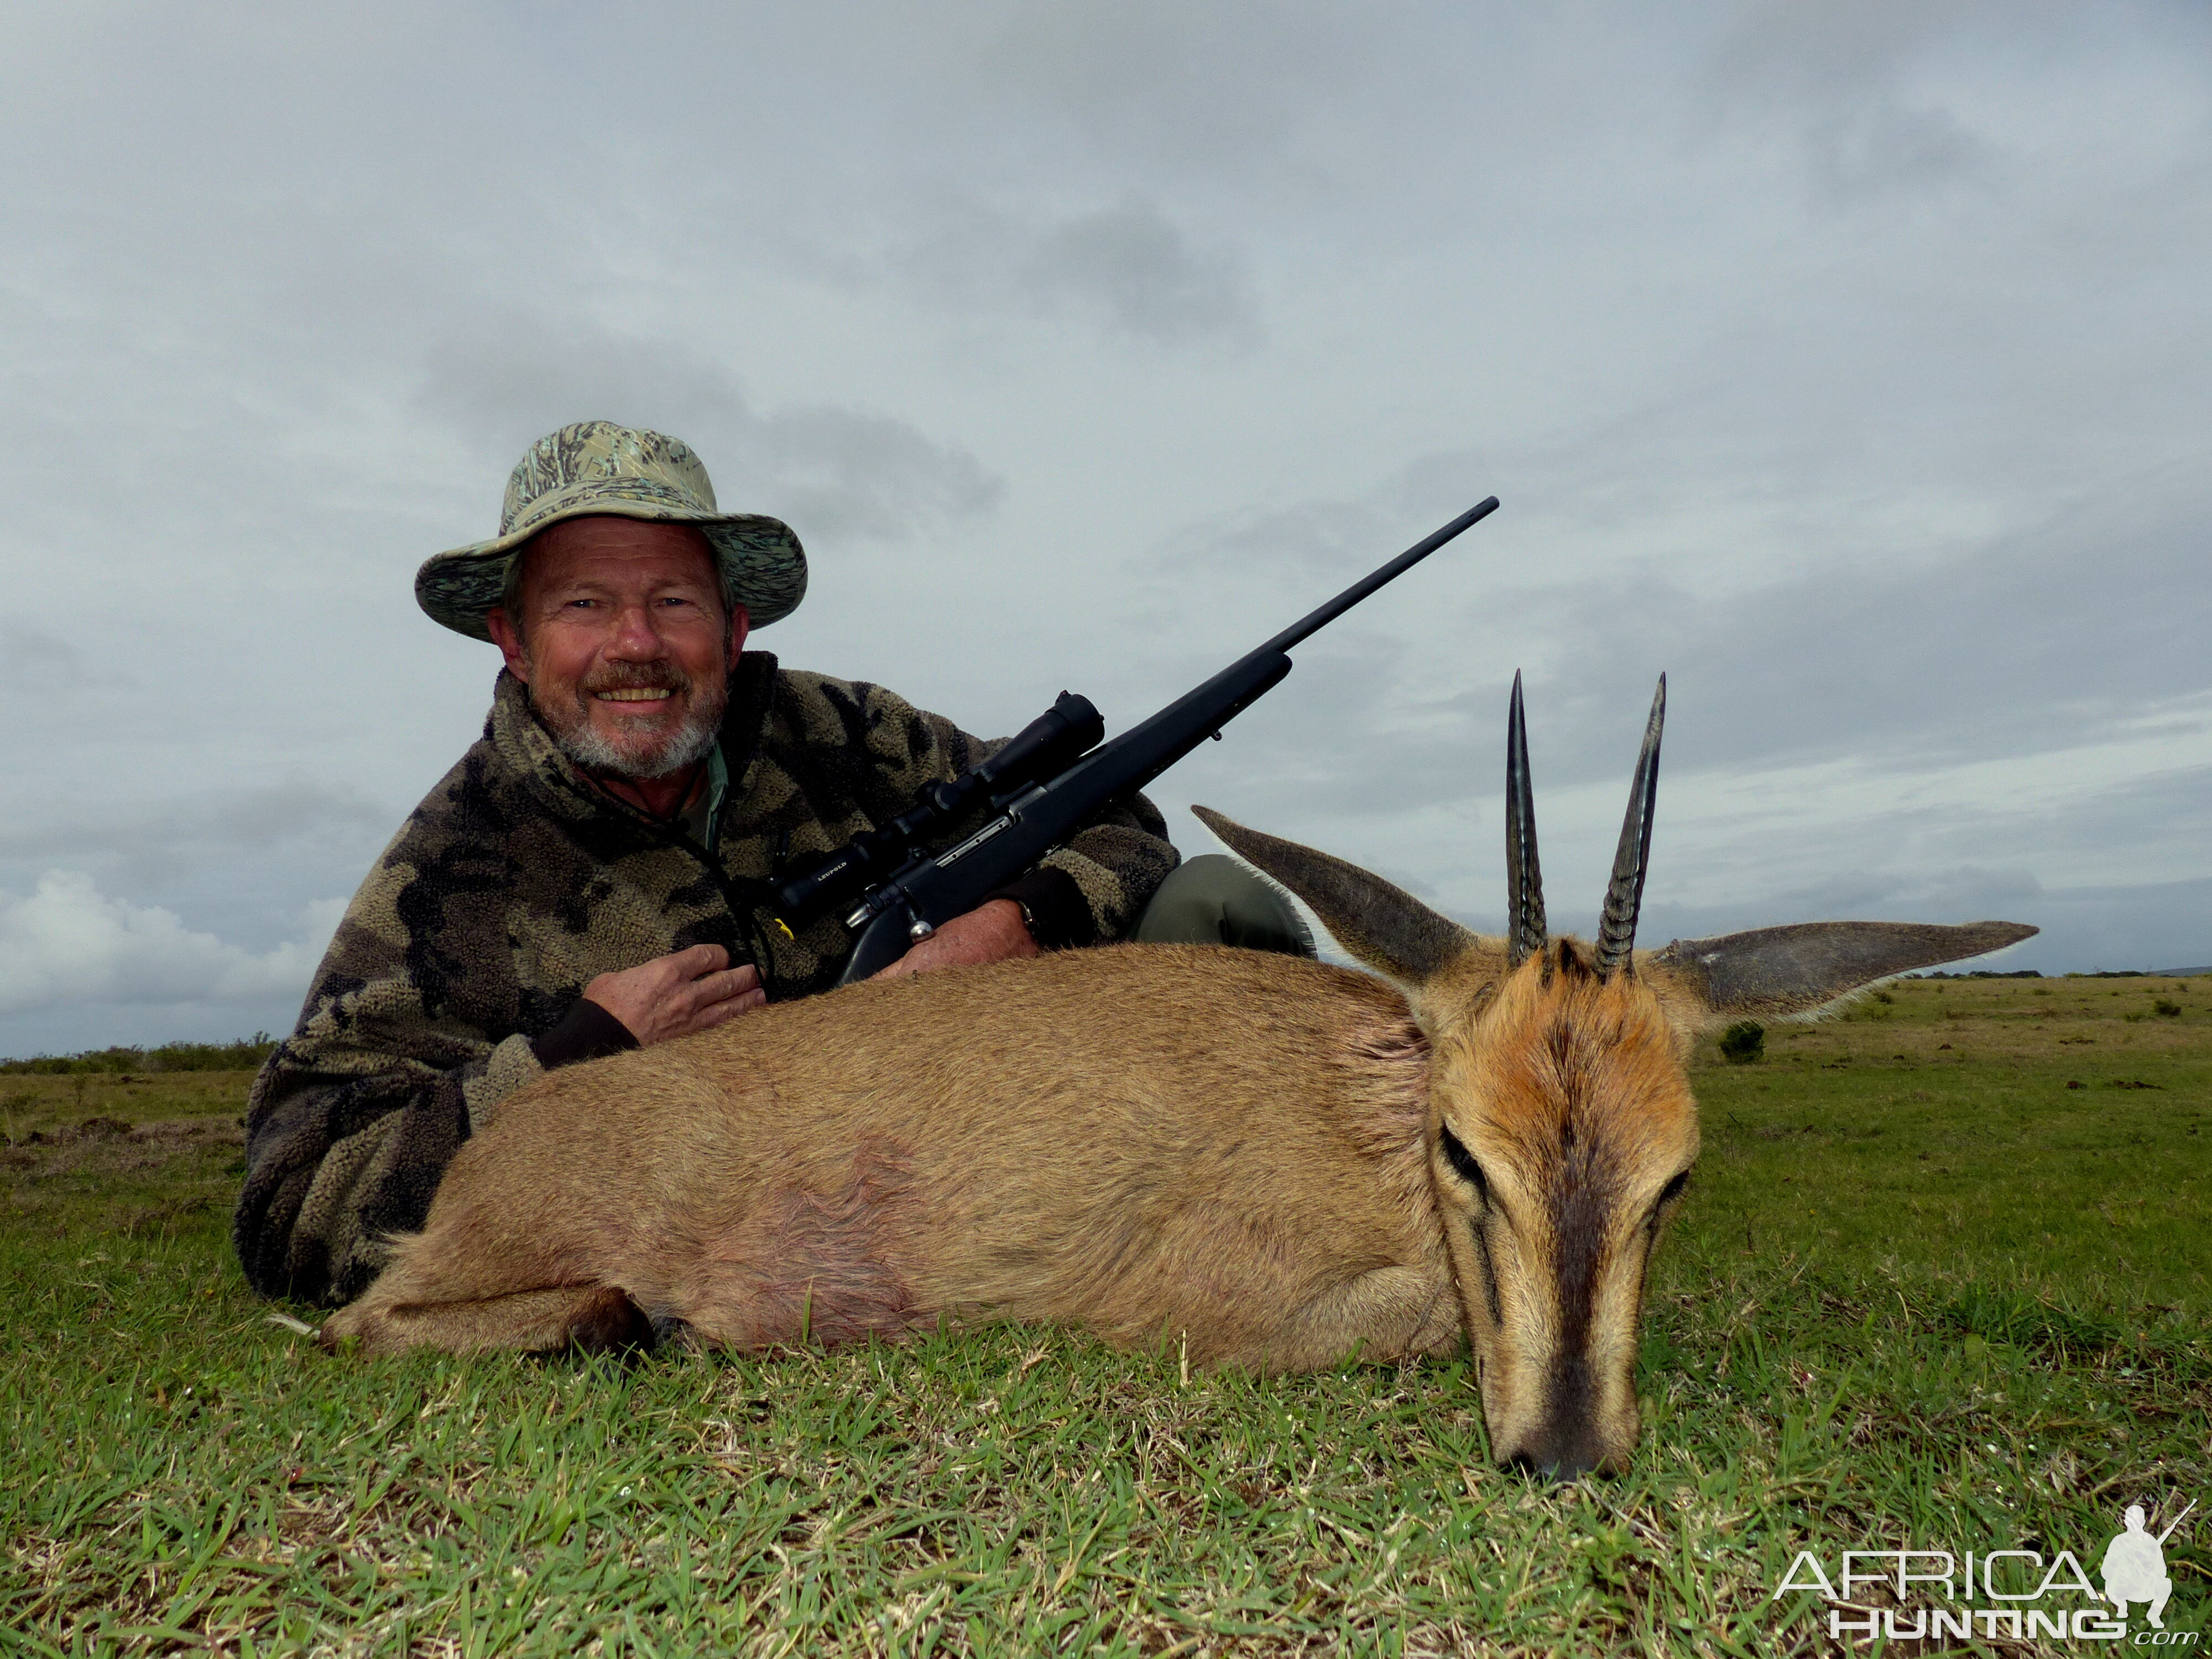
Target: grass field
{"x": 1945, "y": 1279}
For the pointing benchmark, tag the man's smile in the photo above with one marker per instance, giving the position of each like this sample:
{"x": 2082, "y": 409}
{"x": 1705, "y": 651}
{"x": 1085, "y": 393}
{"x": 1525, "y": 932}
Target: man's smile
{"x": 636, "y": 694}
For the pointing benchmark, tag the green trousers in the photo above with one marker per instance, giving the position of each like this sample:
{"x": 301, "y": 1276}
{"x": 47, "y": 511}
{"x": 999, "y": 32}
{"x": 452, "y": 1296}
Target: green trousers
{"x": 1214, "y": 900}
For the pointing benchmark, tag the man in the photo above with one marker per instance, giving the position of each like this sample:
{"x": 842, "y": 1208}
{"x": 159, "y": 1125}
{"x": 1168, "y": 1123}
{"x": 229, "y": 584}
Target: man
{"x": 2135, "y": 1566}
{"x": 595, "y": 873}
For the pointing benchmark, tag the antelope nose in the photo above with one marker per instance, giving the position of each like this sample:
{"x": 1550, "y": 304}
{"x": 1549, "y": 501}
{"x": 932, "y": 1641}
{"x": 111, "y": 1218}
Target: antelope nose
{"x": 1559, "y": 1451}
{"x": 1561, "y": 1467}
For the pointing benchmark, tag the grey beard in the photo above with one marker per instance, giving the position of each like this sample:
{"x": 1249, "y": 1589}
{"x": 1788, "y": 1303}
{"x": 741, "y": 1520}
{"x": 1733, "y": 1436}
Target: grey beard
{"x": 685, "y": 746}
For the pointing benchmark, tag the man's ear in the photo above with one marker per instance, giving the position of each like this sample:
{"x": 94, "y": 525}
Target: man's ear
{"x": 505, "y": 635}
{"x": 741, "y": 623}
{"x": 1794, "y": 971}
{"x": 1385, "y": 927}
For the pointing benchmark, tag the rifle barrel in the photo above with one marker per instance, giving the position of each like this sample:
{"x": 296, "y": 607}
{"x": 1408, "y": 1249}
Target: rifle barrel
{"x": 2176, "y": 1520}
{"x": 932, "y": 891}
{"x": 1367, "y": 584}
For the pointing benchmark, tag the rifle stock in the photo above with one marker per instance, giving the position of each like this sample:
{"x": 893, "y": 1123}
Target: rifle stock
{"x": 931, "y": 889}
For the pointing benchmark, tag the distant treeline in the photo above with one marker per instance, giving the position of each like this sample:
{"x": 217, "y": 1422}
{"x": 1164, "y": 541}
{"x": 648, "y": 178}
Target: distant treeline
{"x": 2030, "y": 973}
{"x": 241, "y": 1056}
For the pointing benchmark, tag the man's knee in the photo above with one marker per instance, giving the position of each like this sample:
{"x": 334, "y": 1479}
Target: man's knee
{"x": 1214, "y": 900}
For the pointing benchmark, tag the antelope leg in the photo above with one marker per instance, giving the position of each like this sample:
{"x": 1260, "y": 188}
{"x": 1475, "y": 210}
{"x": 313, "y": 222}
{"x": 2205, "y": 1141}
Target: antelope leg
{"x": 595, "y": 1318}
{"x": 1386, "y": 1313}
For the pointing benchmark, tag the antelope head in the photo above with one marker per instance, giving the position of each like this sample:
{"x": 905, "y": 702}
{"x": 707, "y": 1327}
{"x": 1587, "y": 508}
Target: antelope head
{"x": 1561, "y": 1125}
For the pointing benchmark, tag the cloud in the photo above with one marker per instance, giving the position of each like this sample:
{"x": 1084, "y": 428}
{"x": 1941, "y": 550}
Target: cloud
{"x": 839, "y": 472}
{"x": 1844, "y": 361}
{"x": 32, "y": 659}
{"x": 1126, "y": 268}
{"x": 1311, "y": 540}
{"x": 1130, "y": 265}
{"x": 2048, "y": 638}
{"x": 225, "y": 823}
{"x": 1889, "y": 147}
{"x": 66, "y": 943}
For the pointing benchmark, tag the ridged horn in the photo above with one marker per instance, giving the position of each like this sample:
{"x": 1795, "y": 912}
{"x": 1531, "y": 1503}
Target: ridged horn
{"x": 1624, "y": 894}
{"x": 1524, "y": 881}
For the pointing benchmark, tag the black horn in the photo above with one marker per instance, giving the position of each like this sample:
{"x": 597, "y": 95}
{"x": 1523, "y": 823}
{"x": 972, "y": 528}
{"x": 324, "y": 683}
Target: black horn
{"x": 1524, "y": 882}
{"x": 1624, "y": 895}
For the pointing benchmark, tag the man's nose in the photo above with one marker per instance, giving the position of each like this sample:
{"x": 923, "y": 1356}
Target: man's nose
{"x": 636, "y": 637}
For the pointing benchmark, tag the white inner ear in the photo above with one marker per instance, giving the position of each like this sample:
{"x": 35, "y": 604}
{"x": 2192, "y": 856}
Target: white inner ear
{"x": 1316, "y": 932}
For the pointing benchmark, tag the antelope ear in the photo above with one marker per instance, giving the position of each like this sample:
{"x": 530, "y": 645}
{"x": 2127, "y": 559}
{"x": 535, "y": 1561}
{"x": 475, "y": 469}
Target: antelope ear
{"x": 1385, "y": 927}
{"x": 1792, "y": 970}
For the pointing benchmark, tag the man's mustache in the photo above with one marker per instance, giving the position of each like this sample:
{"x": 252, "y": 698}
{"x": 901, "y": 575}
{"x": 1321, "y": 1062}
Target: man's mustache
{"x": 636, "y": 676}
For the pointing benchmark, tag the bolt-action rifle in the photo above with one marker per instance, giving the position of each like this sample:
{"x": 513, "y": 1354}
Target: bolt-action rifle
{"x": 1035, "y": 791}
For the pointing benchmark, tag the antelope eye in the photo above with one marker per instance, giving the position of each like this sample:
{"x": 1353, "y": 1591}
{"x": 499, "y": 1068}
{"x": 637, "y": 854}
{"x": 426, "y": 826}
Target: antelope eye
{"x": 1464, "y": 1164}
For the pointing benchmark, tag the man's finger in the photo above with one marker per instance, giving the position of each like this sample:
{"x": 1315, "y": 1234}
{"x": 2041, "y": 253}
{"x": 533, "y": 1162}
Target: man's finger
{"x": 714, "y": 1013}
{"x": 734, "y": 982}
{"x": 702, "y": 959}
{"x": 715, "y": 966}
{"x": 711, "y": 990}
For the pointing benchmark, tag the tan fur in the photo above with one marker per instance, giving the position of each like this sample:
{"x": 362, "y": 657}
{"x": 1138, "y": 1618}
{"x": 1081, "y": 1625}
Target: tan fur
{"x": 1217, "y": 1147}
{"x": 1569, "y": 1091}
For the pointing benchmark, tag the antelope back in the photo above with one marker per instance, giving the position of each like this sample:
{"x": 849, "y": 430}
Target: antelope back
{"x": 1224, "y": 1150}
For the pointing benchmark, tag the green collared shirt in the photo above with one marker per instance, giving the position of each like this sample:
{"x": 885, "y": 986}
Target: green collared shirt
{"x": 703, "y": 818}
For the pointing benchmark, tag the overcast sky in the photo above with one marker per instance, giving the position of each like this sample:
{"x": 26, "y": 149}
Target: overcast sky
{"x": 1849, "y": 361}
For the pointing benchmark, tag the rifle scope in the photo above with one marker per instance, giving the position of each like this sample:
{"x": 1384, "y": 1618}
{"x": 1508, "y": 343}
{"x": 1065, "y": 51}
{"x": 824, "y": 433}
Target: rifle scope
{"x": 1047, "y": 746}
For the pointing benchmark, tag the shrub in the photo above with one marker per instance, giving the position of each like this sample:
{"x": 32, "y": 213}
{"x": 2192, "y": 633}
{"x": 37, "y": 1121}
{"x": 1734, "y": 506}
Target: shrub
{"x": 1743, "y": 1042}
{"x": 2167, "y": 1006}
{"x": 241, "y": 1056}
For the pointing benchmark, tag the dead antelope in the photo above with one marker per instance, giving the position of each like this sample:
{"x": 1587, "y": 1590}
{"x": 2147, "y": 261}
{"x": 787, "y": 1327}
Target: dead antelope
{"x": 1273, "y": 1161}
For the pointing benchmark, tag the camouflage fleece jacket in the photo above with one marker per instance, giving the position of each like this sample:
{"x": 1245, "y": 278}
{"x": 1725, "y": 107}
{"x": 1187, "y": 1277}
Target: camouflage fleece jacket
{"x": 456, "y": 975}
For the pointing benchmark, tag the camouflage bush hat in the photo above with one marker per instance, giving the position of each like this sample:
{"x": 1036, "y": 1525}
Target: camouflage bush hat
{"x": 596, "y": 467}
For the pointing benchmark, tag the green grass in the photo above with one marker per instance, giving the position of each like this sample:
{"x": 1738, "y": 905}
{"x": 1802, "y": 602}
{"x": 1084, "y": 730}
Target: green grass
{"x": 1921, "y": 1294}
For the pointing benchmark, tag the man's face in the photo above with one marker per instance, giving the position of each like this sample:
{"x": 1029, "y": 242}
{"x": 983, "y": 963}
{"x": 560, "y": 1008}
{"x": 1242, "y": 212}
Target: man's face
{"x": 621, "y": 636}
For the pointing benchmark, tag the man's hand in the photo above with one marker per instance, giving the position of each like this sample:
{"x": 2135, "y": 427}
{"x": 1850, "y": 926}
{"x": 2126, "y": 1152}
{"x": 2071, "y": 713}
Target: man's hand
{"x": 990, "y": 933}
{"x": 673, "y": 996}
